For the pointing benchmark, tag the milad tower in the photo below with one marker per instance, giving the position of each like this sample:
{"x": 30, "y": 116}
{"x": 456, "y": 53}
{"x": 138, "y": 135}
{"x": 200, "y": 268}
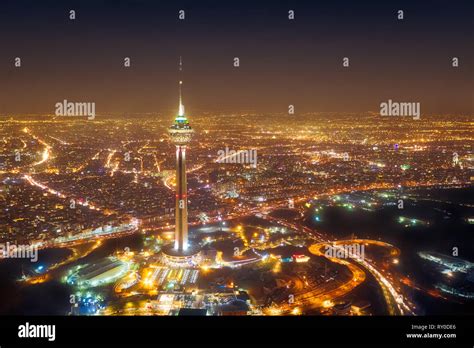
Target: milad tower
{"x": 181, "y": 253}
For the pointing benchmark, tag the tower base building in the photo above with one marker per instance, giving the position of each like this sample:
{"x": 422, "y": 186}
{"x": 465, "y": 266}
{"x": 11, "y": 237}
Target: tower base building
{"x": 180, "y": 259}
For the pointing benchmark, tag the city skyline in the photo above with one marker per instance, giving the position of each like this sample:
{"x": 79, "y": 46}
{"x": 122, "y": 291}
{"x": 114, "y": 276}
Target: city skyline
{"x": 114, "y": 181}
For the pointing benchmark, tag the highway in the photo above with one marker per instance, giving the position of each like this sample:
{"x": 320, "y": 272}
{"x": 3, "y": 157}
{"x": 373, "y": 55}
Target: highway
{"x": 396, "y": 303}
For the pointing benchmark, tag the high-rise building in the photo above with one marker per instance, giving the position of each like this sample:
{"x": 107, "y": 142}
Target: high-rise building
{"x": 181, "y": 133}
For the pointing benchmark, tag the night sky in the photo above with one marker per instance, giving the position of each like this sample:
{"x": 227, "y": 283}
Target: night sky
{"x": 282, "y": 62}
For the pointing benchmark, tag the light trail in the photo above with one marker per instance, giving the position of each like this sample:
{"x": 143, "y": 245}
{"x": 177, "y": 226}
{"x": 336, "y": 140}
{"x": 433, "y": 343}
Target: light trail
{"x": 82, "y": 166}
{"x": 44, "y": 158}
{"x": 396, "y": 296}
{"x": 316, "y": 297}
{"x": 109, "y": 158}
{"x": 169, "y": 182}
{"x": 46, "y": 152}
{"x": 32, "y": 182}
{"x": 59, "y": 140}
{"x": 56, "y": 193}
{"x": 157, "y": 164}
{"x": 115, "y": 168}
{"x": 393, "y": 298}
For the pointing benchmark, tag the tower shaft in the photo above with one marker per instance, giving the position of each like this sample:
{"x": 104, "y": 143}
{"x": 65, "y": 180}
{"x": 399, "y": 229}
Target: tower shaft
{"x": 181, "y": 212}
{"x": 181, "y": 133}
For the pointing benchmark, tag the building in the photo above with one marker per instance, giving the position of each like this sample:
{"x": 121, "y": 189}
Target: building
{"x": 181, "y": 133}
{"x": 103, "y": 272}
{"x": 234, "y": 308}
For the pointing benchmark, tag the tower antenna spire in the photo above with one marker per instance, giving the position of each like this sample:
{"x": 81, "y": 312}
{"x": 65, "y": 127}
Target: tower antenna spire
{"x": 181, "y": 106}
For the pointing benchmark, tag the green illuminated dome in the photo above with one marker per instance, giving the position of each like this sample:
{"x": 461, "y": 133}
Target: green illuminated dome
{"x": 180, "y": 131}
